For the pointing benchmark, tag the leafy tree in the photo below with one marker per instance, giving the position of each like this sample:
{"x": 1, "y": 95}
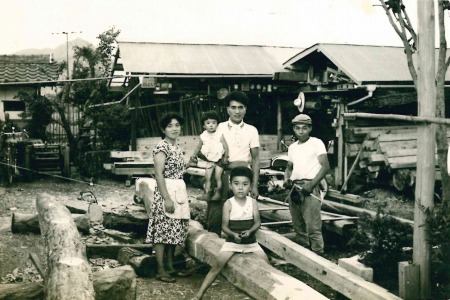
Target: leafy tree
{"x": 89, "y": 63}
{"x": 40, "y": 109}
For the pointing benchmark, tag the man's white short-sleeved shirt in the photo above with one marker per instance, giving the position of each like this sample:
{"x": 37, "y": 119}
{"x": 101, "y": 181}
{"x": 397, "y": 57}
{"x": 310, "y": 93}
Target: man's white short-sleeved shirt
{"x": 305, "y": 158}
{"x": 240, "y": 139}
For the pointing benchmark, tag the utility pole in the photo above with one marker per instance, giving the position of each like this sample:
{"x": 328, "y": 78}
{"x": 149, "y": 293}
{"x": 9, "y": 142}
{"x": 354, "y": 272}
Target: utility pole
{"x": 426, "y": 96}
{"x": 67, "y": 47}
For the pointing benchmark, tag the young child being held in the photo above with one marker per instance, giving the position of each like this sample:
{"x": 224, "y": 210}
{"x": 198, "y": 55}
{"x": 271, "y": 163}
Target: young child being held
{"x": 240, "y": 222}
{"x": 212, "y": 149}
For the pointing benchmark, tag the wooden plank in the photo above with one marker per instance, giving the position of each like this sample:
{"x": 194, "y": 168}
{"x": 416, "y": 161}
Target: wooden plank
{"x": 136, "y": 155}
{"x": 385, "y": 146}
{"x": 37, "y": 264}
{"x": 248, "y": 272}
{"x": 376, "y": 134}
{"x": 403, "y": 162}
{"x": 340, "y": 226}
{"x": 341, "y": 280}
{"x": 373, "y": 168}
{"x": 408, "y": 280}
{"x": 400, "y": 137}
{"x": 400, "y": 152}
{"x": 376, "y": 158}
{"x": 365, "y": 130}
{"x": 350, "y": 198}
{"x": 369, "y": 145}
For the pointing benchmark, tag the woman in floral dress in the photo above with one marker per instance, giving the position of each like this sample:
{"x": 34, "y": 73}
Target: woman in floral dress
{"x": 169, "y": 220}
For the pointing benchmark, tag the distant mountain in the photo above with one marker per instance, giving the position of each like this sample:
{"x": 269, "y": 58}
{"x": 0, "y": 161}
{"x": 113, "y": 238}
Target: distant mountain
{"x": 59, "y": 52}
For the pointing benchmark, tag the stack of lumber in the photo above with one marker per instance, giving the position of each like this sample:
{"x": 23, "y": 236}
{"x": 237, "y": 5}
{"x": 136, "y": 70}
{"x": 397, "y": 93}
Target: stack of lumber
{"x": 388, "y": 149}
{"x": 140, "y": 162}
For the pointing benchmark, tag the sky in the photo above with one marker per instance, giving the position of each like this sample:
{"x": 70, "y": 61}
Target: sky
{"x": 28, "y": 24}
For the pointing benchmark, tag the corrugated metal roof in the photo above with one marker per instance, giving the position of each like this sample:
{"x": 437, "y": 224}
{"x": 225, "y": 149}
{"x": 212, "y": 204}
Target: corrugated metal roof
{"x": 364, "y": 64}
{"x": 201, "y": 59}
{"x": 27, "y": 68}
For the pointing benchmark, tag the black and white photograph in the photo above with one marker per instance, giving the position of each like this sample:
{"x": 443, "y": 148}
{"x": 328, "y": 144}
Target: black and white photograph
{"x": 207, "y": 149}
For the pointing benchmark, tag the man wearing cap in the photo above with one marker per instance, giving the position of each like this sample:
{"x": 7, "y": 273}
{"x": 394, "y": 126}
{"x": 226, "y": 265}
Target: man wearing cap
{"x": 243, "y": 144}
{"x": 307, "y": 166}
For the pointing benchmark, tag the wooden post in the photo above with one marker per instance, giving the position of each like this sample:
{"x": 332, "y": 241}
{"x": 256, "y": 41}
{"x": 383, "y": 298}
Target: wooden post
{"x": 279, "y": 123}
{"x": 340, "y": 136}
{"x": 408, "y": 280}
{"x": 426, "y": 93}
{"x": 133, "y": 113}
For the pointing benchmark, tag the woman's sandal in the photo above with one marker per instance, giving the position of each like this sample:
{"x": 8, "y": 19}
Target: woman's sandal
{"x": 165, "y": 278}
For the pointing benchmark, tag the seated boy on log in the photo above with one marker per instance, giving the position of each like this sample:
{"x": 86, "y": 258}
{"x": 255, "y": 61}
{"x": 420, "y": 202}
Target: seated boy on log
{"x": 240, "y": 222}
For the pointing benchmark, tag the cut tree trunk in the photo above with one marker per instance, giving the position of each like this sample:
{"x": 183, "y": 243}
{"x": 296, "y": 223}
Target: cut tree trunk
{"x": 117, "y": 283}
{"x": 112, "y": 250}
{"x": 69, "y": 273}
{"x": 25, "y": 223}
{"x": 22, "y": 291}
{"x": 127, "y": 221}
{"x": 143, "y": 264}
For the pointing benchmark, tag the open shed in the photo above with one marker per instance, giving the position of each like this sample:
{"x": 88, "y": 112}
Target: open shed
{"x": 191, "y": 78}
{"x": 360, "y": 78}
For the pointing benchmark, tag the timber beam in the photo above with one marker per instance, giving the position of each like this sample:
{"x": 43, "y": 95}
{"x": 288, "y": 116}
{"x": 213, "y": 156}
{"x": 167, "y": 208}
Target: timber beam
{"x": 248, "y": 272}
{"x": 339, "y": 279}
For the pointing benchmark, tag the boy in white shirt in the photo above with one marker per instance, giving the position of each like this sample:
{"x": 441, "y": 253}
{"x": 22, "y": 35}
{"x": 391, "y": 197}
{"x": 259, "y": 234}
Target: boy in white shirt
{"x": 307, "y": 166}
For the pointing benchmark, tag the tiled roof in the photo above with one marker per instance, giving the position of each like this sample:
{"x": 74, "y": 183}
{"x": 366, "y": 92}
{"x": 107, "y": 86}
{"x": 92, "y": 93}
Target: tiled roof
{"x": 363, "y": 63}
{"x": 203, "y": 59}
{"x": 27, "y": 68}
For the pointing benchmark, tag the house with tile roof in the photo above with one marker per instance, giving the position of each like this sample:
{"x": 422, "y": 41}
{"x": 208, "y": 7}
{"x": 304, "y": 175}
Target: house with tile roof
{"x": 18, "y": 72}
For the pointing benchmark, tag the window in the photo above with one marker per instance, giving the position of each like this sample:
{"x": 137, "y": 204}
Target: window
{"x": 13, "y": 106}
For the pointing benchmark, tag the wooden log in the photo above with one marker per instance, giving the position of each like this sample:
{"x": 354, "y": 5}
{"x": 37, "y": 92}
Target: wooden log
{"x": 22, "y": 291}
{"x": 69, "y": 273}
{"x": 143, "y": 264}
{"x": 356, "y": 211}
{"x": 126, "y": 220}
{"x": 402, "y": 178}
{"x": 112, "y": 250}
{"x": 248, "y": 272}
{"x": 346, "y": 283}
{"x": 117, "y": 283}
{"x": 26, "y": 223}
{"x": 118, "y": 235}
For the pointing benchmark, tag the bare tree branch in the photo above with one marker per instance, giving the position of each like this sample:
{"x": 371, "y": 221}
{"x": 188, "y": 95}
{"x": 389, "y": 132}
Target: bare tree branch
{"x": 401, "y": 31}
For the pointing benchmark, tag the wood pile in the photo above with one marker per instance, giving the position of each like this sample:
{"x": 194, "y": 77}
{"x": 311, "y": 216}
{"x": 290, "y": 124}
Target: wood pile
{"x": 387, "y": 150}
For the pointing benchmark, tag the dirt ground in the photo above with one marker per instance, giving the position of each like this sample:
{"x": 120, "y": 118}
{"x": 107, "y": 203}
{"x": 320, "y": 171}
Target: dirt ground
{"x": 15, "y": 265}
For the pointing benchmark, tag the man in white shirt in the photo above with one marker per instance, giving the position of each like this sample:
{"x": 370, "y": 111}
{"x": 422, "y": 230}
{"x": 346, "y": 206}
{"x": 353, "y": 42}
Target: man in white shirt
{"x": 307, "y": 166}
{"x": 243, "y": 145}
